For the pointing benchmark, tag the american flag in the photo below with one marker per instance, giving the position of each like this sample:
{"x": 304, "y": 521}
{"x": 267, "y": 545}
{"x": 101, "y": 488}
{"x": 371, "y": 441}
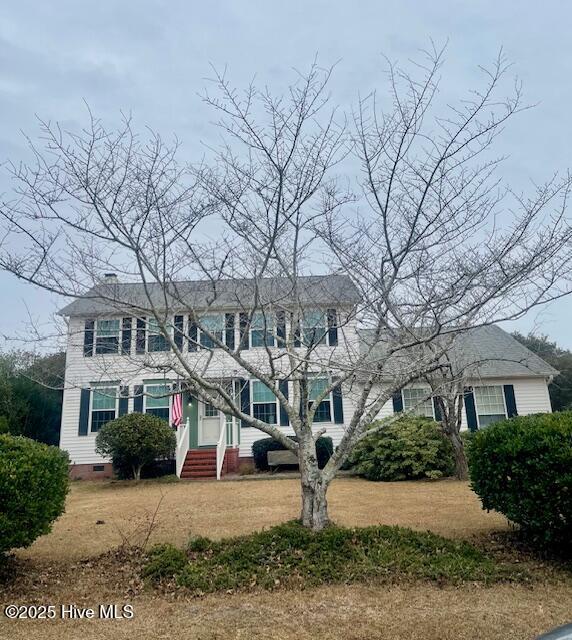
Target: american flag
{"x": 177, "y": 409}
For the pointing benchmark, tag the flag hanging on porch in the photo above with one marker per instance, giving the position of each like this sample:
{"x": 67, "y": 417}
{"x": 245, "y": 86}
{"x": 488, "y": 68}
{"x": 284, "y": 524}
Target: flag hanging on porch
{"x": 177, "y": 409}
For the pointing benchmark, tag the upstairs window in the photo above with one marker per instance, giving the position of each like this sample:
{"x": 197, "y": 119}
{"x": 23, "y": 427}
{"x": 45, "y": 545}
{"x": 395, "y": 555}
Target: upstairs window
{"x": 156, "y": 341}
{"x": 214, "y": 324}
{"x": 316, "y": 386}
{"x": 264, "y": 403}
{"x": 415, "y": 400}
{"x": 490, "y": 404}
{"x": 158, "y": 400}
{"x": 107, "y": 333}
{"x": 314, "y": 327}
{"x": 262, "y": 330}
{"x": 104, "y": 401}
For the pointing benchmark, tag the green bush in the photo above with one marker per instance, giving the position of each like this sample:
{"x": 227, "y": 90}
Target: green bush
{"x": 260, "y": 448}
{"x": 135, "y": 440}
{"x": 33, "y": 489}
{"x": 292, "y": 556}
{"x": 522, "y": 467}
{"x": 408, "y": 449}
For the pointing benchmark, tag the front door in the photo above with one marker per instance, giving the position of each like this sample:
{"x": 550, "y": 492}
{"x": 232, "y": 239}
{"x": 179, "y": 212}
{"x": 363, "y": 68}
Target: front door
{"x": 209, "y": 425}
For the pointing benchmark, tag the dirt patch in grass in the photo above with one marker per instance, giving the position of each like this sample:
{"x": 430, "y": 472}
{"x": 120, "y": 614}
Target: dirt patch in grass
{"x": 224, "y": 509}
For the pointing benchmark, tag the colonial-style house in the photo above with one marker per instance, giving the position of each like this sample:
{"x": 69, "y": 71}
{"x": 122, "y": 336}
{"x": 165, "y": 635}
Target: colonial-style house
{"x": 118, "y": 362}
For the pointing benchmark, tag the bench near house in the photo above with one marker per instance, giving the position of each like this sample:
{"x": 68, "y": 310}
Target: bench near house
{"x": 109, "y": 349}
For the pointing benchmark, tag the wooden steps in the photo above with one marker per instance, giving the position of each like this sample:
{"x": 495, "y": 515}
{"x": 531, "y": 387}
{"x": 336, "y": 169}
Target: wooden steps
{"x": 199, "y": 464}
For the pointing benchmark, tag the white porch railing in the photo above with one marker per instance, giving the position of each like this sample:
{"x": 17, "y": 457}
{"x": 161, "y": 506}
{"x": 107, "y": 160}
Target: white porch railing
{"x": 183, "y": 433}
{"x": 221, "y": 446}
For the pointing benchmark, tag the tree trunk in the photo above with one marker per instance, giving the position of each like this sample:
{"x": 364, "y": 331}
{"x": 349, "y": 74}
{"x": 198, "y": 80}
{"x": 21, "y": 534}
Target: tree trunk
{"x": 137, "y": 473}
{"x": 314, "y": 503}
{"x": 460, "y": 457}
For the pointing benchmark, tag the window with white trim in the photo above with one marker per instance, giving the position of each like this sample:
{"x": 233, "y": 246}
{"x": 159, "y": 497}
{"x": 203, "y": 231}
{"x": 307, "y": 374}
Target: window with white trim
{"x": 316, "y": 386}
{"x": 156, "y": 341}
{"x": 264, "y": 403}
{"x": 490, "y": 404}
{"x": 415, "y": 401}
{"x": 210, "y": 411}
{"x": 214, "y": 324}
{"x": 314, "y": 327}
{"x": 262, "y": 330}
{"x": 104, "y": 406}
{"x": 107, "y": 336}
{"x": 157, "y": 401}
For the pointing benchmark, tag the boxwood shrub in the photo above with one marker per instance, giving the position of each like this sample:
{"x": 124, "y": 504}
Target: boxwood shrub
{"x": 408, "y": 449}
{"x": 33, "y": 489}
{"x": 260, "y": 448}
{"x": 522, "y": 467}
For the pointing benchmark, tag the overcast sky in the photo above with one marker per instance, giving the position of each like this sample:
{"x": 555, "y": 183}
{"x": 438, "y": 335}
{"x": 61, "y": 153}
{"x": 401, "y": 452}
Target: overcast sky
{"x": 151, "y": 58}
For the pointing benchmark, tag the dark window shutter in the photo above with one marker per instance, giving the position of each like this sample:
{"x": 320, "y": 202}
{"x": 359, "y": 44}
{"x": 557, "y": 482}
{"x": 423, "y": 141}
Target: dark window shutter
{"x": 126, "y": 325}
{"x": 332, "y": 327}
{"x": 470, "y": 410}
{"x": 178, "y": 335}
{"x": 296, "y": 327}
{"x": 437, "y": 409}
{"x": 244, "y": 386}
{"x": 510, "y": 400}
{"x": 281, "y": 328}
{"x": 397, "y": 402}
{"x": 193, "y": 334}
{"x": 123, "y": 400}
{"x": 229, "y": 330}
{"x": 88, "y": 338}
{"x": 283, "y": 386}
{"x": 140, "y": 336}
{"x": 83, "y": 412}
{"x": 244, "y": 330}
{"x": 338, "y": 405}
{"x": 138, "y": 398}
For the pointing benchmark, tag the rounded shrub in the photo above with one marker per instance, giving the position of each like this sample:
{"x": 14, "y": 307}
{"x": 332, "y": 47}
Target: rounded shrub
{"x": 135, "y": 440}
{"x": 33, "y": 488}
{"x": 260, "y": 449}
{"x": 522, "y": 468}
{"x": 408, "y": 449}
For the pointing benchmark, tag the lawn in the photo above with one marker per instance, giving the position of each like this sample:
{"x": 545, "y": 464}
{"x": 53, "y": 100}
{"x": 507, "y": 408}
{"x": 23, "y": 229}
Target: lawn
{"x": 66, "y": 566}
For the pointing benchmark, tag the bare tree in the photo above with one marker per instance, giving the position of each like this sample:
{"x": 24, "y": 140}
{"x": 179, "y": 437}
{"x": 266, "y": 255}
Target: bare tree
{"x": 427, "y": 237}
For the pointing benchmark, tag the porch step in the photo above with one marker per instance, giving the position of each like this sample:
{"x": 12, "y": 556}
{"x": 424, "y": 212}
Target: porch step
{"x": 199, "y": 463}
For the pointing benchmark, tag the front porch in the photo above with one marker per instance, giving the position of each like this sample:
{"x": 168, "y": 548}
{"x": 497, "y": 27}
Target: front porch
{"x": 207, "y": 441}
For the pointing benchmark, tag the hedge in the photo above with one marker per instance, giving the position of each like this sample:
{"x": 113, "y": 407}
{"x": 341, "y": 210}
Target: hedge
{"x": 408, "y": 449}
{"x": 33, "y": 488}
{"x": 260, "y": 449}
{"x": 522, "y": 468}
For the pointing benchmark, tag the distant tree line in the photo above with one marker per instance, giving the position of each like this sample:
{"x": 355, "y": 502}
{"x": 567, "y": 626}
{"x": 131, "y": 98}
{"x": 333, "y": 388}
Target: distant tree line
{"x": 31, "y": 395}
{"x": 561, "y": 359}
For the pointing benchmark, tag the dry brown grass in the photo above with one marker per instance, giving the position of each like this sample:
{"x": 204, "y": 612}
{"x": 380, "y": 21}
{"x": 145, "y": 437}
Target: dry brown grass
{"x": 352, "y": 612}
{"x": 223, "y": 509}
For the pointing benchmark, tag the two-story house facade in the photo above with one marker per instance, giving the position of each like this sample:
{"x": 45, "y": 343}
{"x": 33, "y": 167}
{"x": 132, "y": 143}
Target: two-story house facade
{"x": 119, "y": 361}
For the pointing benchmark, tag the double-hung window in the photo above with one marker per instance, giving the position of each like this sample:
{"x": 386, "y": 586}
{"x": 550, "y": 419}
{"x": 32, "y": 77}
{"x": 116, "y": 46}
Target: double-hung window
{"x": 262, "y": 330}
{"x": 490, "y": 404}
{"x": 104, "y": 403}
{"x": 264, "y": 403}
{"x": 316, "y": 386}
{"x": 107, "y": 336}
{"x": 314, "y": 327}
{"x": 416, "y": 400}
{"x": 158, "y": 400}
{"x": 214, "y": 324}
{"x": 156, "y": 341}
{"x": 210, "y": 411}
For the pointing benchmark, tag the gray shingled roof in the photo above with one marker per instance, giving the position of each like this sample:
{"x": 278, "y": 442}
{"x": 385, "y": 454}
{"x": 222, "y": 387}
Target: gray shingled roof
{"x": 489, "y": 351}
{"x": 227, "y": 294}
